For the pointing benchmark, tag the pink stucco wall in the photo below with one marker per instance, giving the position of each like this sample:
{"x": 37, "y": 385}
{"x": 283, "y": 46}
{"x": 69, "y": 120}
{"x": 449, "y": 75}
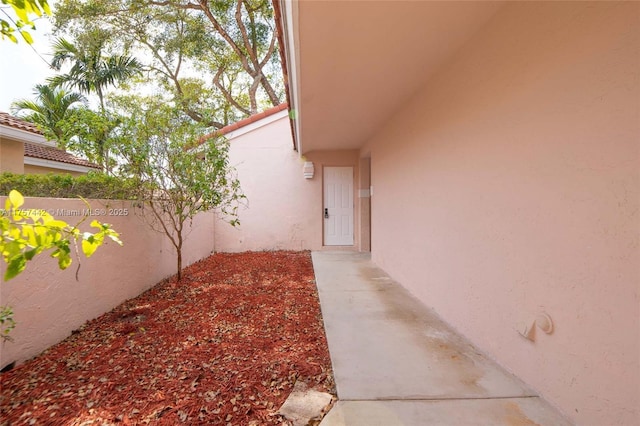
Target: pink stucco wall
{"x": 49, "y": 303}
{"x": 283, "y": 209}
{"x": 509, "y": 185}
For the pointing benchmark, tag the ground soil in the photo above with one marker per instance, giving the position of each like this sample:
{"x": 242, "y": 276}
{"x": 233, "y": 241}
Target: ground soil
{"x": 222, "y": 347}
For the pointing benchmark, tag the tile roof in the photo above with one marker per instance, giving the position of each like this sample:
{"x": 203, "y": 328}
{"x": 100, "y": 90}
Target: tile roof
{"x": 44, "y": 152}
{"x": 16, "y": 123}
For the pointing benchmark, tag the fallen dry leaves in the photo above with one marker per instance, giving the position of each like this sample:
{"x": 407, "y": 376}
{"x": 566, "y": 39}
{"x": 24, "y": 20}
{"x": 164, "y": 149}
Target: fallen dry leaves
{"x": 223, "y": 346}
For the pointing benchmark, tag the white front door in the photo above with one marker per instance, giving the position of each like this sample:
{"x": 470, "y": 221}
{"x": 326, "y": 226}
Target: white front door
{"x": 338, "y": 206}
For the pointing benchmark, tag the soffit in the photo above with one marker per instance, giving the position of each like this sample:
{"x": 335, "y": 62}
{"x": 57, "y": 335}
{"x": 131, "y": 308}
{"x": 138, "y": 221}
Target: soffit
{"x": 360, "y": 61}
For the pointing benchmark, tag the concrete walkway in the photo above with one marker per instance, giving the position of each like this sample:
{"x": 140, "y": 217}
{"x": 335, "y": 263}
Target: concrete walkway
{"x": 396, "y": 363}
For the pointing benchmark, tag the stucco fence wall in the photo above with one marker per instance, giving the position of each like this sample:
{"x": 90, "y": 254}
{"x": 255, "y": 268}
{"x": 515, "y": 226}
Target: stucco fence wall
{"x": 48, "y": 303}
{"x": 279, "y": 210}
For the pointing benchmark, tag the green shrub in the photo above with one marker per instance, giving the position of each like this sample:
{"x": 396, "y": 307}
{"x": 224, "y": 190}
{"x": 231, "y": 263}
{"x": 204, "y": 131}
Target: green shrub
{"x": 93, "y": 185}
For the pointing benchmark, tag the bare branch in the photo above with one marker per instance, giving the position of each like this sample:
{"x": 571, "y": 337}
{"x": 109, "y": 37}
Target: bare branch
{"x": 158, "y": 217}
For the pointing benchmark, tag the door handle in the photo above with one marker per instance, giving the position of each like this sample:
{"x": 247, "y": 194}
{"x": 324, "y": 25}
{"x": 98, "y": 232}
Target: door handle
{"x": 326, "y": 213}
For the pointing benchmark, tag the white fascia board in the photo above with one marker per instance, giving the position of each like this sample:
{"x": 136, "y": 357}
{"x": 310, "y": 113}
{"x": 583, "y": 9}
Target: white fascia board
{"x": 256, "y": 125}
{"x": 22, "y": 135}
{"x": 57, "y": 165}
{"x": 291, "y": 41}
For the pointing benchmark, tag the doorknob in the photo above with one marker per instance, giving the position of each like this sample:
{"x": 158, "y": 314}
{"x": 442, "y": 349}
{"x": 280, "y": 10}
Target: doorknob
{"x": 326, "y": 213}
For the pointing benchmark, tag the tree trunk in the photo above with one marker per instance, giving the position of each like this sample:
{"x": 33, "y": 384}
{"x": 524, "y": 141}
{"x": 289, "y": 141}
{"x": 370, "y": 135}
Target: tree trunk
{"x": 179, "y": 250}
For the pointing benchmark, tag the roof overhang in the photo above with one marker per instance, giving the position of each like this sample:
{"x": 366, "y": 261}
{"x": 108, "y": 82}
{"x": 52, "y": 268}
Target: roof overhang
{"x": 352, "y": 65}
{"x": 57, "y": 165}
{"x": 21, "y": 135}
{"x": 287, "y": 12}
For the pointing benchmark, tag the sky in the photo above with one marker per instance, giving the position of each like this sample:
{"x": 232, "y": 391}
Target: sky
{"x": 21, "y": 68}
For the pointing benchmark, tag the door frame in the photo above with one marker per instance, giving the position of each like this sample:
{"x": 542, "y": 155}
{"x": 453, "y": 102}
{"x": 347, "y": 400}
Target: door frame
{"x": 353, "y": 206}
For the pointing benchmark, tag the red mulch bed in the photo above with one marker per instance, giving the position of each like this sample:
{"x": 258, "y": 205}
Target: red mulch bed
{"x": 223, "y": 346}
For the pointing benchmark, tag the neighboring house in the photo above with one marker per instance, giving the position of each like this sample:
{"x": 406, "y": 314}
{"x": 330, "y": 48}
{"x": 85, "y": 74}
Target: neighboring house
{"x": 24, "y": 150}
{"x": 487, "y": 153}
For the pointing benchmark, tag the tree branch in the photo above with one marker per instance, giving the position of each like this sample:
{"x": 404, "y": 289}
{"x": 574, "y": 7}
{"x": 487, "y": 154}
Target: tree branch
{"x": 225, "y": 35}
{"x": 227, "y": 94}
{"x": 245, "y": 36}
{"x": 252, "y": 94}
{"x": 158, "y": 217}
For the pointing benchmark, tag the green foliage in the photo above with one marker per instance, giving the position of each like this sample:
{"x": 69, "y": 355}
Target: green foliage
{"x": 93, "y": 185}
{"x": 176, "y": 183}
{"x": 218, "y": 61}
{"x": 91, "y": 71}
{"x": 49, "y": 110}
{"x": 23, "y": 10}
{"x": 6, "y": 322}
{"x": 29, "y": 232}
{"x": 25, "y": 233}
{"x": 90, "y": 134}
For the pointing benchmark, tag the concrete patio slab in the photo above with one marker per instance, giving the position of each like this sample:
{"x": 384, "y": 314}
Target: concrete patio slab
{"x": 389, "y": 350}
{"x": 466, "y": 412}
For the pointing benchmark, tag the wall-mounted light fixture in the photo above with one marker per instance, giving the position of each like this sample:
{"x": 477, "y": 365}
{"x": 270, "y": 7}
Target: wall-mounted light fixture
{"x": 528, "y": 329}
{"x": 308, "y": 170}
